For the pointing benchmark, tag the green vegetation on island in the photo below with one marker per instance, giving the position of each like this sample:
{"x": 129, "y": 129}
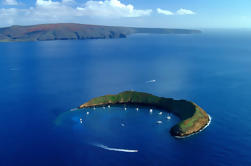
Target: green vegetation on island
{"x": 193, "y": 118}
{"x": 70, "y": 31}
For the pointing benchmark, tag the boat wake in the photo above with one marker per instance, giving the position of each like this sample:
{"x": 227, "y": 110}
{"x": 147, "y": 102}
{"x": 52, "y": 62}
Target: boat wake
{"x": 151, "y": 81}
{"x": 115, "y": 149}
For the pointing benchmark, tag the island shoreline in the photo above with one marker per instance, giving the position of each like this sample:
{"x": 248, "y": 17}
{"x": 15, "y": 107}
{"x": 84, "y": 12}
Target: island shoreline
{"x": 193, "y": 118}
{"x": 145, "y": 105}
{"x": 202, "y": 129}
{"x": 74, "y": 31}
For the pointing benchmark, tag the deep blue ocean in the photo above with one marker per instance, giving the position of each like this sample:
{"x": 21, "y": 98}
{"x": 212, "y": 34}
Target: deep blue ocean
{"x": 39, "y": 81}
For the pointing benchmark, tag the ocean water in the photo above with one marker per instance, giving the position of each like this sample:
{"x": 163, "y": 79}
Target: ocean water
{"x": 41, "y": 80}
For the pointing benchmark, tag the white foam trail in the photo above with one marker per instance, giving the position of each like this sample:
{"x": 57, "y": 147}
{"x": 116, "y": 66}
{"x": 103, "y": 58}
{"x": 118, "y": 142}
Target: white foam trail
{"x": 151, "y": 81}
{"x": 115, "y": 149}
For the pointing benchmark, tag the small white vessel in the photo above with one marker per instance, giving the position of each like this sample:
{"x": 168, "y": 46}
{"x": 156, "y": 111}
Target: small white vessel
{"x": 168, "y": 117}
{"x": 151, "y": 110}
{"x": 109, "y": 106}
{"x": 103, "y": 107}
{"x": 159, "y": 122}
{"x": 122, "y": 124}
{"x": 125, "y": 108}
{"x": 73, "y": 109}
{"x": 81, "y": 120}
{"x": 137, "y": 109}
{"x": 87, "y": 113}
{"x": 160, "y": 113}
{"x": 94, "y": 108}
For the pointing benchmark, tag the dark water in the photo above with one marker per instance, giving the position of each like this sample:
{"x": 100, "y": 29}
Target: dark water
{"x": 40, "y": 80}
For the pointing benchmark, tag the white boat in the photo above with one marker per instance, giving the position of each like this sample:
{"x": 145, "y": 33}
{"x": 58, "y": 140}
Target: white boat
{"x": 109, "y": 106}
{"x": 125, "y": 108}
{"x": 94, "y": 108}
{"x": 159, "y": 122}
{"x": 151, "y": 110}
{"x": 73, "y": 109}
{"x": 103, "y": 107}
{"x": 81, "y": 120}
{"x": 137, "y": 109}
{"x": 168, "y": 117}
{"x": 122, "y": 124}
{"x": 87, "y": 113}
{"x": 160, "y": 113}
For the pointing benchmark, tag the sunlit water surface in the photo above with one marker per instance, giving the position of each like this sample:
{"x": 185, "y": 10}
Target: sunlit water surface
{"x": 41, "y": 80}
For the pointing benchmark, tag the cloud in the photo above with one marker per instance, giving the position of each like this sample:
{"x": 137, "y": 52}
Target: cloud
{"x": 51, "y": 10}
{"x": 10, "y": 2}
{"x": 68, "y": 1}
{"x": 185, "y": 12}
{"x": 165, "y": 12}
{"x": 54, "y": 11}
{"x": 68, "y": 10}
{"x": 8, "y": 13}
{"x": 48, "y": 3}
{"x": 181, "y": 11}
{"x": 106, "y": 8}
{"x": 111, "y": 8}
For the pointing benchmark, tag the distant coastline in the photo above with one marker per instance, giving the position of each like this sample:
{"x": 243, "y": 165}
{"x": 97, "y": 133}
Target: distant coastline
{"x": 71, "y": 31}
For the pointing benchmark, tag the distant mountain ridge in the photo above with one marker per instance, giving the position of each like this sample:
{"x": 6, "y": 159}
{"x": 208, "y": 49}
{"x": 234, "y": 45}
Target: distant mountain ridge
{"x": 72, "y": 31}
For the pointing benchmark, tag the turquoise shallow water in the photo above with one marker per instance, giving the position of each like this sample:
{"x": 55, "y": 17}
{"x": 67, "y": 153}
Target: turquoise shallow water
{"x": 41, "y": 80}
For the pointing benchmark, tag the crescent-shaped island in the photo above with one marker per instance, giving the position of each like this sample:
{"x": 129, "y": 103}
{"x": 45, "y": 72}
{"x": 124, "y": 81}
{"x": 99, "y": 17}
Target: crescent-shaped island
{"x": 193, "y": 118}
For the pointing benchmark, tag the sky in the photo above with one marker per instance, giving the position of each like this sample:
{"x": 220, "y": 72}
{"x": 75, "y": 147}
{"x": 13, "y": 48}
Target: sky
{"x": 136, "y": 13}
